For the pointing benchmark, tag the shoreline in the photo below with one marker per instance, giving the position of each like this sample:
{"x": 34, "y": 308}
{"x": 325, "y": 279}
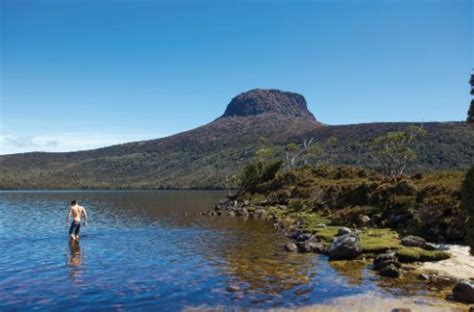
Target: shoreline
{"x": 459, "y": 266}
{"x": 439, "y": 274}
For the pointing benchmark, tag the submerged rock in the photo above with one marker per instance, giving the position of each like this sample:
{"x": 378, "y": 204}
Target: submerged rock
{"x": 464, "y": 291}
{"x": 345, "y": 247}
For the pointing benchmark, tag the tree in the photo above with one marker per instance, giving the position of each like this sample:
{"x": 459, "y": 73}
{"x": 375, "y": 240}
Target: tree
{"x": 468, "y": 204}
{"x": 470, "y": 113}
{"x": 294, "y": 152}
{"x": 313, "y": 154}
{"x": 468, "y": 184}
{"x": 394, "y": 150}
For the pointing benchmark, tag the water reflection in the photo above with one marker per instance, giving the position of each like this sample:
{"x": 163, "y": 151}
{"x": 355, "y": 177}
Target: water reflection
{"x": 74, "y": 258}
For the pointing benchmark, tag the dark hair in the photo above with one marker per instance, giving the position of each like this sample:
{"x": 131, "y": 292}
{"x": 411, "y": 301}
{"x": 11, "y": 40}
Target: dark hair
{"x": 73, "y": 202}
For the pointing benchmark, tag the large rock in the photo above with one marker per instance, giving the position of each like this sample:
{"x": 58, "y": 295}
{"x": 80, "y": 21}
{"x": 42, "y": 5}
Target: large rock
{"x": 345, "y": 247}
{"x": 464, "y": 291}
{"x": 384, "y": 260}
{"x": 413, "y": 241}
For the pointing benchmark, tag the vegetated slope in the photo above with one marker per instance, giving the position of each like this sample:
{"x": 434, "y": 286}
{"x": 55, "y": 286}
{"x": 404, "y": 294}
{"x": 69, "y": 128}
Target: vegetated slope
{"x": 205, "y": 156}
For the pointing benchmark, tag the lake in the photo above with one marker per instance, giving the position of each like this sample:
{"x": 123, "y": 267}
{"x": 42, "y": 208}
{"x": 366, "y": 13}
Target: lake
{"x": 152, "y": 250}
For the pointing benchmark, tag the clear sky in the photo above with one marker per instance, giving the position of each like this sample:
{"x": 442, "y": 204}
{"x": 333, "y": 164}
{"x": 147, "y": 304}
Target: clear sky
{"x": 82, "y": 74}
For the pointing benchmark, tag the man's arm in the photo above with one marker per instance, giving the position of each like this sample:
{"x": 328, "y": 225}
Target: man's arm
{"x": 68, "y": 214}
{"x": 85, "y": 215}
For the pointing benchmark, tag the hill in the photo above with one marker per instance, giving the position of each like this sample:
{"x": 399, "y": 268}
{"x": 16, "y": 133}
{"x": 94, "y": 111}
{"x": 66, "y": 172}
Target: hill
{"x": 203, "y": 157}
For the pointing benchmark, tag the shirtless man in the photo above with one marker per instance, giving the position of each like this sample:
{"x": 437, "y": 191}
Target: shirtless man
{"x": 76, "y": 211}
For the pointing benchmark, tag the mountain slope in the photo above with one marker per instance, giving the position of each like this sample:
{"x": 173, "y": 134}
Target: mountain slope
{"x": 203, "y": 157}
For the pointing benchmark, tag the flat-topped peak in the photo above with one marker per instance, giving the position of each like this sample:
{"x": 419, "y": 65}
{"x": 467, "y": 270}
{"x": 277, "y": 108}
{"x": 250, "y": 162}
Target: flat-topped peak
{"x": 260, "y": 101}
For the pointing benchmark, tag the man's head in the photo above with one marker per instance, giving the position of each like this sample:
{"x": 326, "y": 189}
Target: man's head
{"x": 73, "y": 202}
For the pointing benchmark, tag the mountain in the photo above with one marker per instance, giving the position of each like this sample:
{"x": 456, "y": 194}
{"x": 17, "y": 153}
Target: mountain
{"x": 205, "y": 156}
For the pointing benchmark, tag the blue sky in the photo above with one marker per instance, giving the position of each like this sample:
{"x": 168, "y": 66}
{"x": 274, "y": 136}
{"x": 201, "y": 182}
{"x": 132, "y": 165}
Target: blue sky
{"x": 83, "y": 74}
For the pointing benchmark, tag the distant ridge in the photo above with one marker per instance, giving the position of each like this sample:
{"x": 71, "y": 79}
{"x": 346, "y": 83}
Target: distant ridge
{"x": 205, "y": 156}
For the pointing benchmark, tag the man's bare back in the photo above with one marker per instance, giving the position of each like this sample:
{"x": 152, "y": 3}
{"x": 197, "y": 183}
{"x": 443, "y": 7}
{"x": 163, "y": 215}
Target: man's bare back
{"x": 76, "y": 212}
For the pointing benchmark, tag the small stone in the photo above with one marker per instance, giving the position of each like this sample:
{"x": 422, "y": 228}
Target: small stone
{"x": 233, "y": 288}
{"x": 343, "y": 231}
{"x": 423, "y": 277}
{"x": 429, "y": 246}
{"x": 231, "y": 213}
{"x": 363, "y": 220}
{"x": 413, "y": 241}
{"x": 401, "y": 310}
{"x": 304, "y": 237}
{"x": 291, "y": 247}
{"x": 464, "y": 291}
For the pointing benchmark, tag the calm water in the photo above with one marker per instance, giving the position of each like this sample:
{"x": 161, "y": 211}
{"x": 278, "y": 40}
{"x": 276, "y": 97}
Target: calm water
{"x": 141, "y": 252}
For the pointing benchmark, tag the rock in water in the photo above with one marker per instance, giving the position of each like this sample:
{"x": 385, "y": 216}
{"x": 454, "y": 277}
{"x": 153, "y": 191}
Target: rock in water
{"x": 384, "y": 260}
{"x": 345, "y": 247}
{"x": 464, "y": 291}
{"x": 413, "y": 241}
{"x": 390, "y": 270}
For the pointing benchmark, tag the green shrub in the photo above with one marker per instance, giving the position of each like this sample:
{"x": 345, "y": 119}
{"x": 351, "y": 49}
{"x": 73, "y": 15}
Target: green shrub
{"x": 255, "y": 174}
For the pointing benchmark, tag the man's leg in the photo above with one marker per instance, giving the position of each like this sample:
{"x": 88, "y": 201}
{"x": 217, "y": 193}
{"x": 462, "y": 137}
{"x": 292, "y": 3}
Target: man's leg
{"x": 72, "y": 230}
{"x": 78, "y": 228}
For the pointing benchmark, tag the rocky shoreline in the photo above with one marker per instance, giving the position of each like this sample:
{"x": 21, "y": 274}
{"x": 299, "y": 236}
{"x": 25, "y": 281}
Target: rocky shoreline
{"x": 387, "y": 254}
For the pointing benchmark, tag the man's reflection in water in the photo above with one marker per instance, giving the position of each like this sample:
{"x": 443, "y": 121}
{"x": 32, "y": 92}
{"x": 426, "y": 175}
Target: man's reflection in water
{"x": 74, "y": 258}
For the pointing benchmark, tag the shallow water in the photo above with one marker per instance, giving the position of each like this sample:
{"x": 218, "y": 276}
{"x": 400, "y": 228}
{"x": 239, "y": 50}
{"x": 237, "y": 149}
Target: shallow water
{"x": 141, "y": 251}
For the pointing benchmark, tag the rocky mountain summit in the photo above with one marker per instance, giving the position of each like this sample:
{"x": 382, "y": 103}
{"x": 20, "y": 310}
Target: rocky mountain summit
{"x": 267, "y": 101}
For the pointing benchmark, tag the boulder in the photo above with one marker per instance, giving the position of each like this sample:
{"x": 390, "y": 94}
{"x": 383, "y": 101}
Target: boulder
{"x": 464, "y": 291}
{"x": 390, "y": 270}
{"x": 291, "y": 247}
{"x": 345, "y": 247}
{"x": 386, "y": 259}
{"x": 413, "y": 241}
{"x": 343, "y": 231}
